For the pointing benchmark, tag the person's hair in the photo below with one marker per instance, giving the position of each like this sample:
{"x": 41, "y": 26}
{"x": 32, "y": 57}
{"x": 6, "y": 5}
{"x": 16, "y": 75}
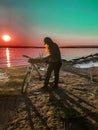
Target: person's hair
{"x": 47, "y": 48}
{"x": 48, "y": 41}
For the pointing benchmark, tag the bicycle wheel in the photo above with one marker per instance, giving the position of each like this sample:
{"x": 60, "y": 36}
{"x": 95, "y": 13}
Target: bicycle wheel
{"x": 26, "y": 82}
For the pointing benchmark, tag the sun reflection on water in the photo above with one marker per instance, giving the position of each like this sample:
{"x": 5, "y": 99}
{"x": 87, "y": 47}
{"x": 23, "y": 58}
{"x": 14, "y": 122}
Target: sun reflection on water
{"x": 8, "y": 57}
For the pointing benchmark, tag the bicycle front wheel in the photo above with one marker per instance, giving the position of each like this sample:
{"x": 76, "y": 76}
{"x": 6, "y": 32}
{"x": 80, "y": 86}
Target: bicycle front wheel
{"x": 26, "y": 82}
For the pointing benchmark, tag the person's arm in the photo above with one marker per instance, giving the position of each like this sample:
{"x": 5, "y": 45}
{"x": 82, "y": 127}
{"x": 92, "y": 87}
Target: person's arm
{"x": 46, "y": 59}
{"x": 34, "y": 60}
{"x": 39, "y": 60}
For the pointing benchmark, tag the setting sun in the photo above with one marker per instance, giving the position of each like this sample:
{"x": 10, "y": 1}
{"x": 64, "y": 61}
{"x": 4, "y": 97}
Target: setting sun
{"x": 6, "y": 38}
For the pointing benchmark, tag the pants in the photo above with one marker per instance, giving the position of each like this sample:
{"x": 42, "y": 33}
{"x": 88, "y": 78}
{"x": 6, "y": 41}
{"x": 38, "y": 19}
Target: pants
{"x": 53, "y": 66}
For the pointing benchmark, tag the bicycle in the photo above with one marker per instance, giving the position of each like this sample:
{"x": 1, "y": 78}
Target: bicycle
{"x": 28, "y": 75}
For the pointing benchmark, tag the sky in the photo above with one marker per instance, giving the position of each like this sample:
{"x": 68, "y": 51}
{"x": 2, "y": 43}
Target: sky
{"x": 67, "y": 22}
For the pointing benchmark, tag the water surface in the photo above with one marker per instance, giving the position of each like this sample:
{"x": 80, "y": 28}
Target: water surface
{"x": 13, "y": 56}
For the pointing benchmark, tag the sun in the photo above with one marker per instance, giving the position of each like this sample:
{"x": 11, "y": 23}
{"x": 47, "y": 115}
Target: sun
{"x": 6, "y": 38}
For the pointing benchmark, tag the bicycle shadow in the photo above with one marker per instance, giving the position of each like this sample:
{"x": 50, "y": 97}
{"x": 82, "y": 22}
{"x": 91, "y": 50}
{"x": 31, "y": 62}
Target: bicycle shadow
{"x": 33, "y": 112}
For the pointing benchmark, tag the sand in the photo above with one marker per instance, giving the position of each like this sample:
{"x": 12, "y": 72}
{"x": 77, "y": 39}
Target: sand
{"x": 72, "y": 106}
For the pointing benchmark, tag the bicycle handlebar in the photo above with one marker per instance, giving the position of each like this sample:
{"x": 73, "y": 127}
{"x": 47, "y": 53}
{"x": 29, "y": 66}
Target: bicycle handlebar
{"x": 40, "y": 76}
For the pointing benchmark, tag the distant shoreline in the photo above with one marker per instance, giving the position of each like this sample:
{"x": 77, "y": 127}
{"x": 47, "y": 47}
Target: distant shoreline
{"x": 44, "y": 47}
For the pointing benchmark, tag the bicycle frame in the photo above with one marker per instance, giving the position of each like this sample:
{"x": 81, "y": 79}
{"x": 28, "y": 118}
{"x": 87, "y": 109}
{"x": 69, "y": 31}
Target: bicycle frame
{"x": 28, "y": 76}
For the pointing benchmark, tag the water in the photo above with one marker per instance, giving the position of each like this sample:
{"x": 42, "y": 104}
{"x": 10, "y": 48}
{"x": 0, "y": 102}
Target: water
{"x": 13, "y": 56}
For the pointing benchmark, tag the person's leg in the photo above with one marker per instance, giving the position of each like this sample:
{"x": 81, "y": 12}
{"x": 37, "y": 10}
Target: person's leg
{"x": 48, "y": 74}
{"x": 56, "y": 73}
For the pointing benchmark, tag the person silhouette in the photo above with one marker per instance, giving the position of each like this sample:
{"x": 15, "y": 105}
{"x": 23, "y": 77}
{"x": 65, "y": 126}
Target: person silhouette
{"x": 54, "y": 61}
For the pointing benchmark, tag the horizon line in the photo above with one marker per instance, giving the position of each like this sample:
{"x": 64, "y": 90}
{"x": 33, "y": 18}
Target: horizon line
{"x": 74, "y": 46}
